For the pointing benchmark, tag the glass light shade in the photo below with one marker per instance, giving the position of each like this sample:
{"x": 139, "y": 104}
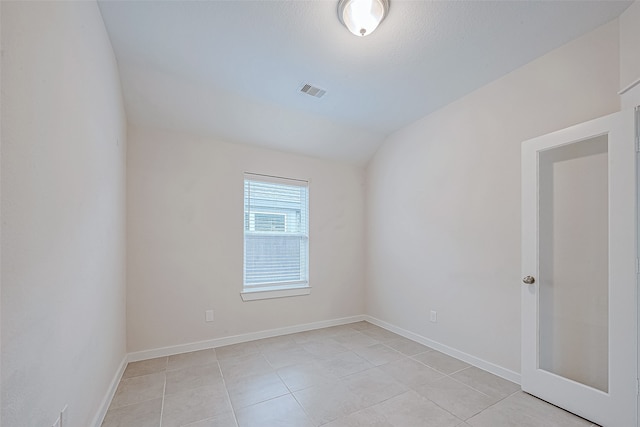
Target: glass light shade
{"x": 362, "y": 17}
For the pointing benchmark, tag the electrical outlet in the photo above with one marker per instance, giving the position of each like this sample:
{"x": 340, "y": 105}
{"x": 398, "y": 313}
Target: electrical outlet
{"x": 209, "y": 315}
{"x": 434, "y": 316}
{"x": 63, "y": 417}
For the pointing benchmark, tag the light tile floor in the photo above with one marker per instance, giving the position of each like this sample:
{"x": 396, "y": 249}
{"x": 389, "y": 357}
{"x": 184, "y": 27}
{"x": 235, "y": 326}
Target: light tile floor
{"x": 343, "y": 376}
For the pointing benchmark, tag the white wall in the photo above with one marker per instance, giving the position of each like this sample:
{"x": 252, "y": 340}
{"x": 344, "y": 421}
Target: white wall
{"x": 63, "y": 195}
{"x": 630, "y": 54}
{"x": 185, "y": 239}
{"x": 443, "y": 199}
{"x": 629, "y": 45}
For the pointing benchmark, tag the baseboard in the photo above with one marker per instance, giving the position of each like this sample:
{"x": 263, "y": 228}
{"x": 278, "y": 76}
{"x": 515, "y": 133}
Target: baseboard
{"x": 236, "y": 339}
{"x": 111, "y": 391}
{"x": 507, "y": 374}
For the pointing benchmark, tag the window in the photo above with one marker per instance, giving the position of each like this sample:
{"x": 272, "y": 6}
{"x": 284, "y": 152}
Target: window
{"x": 276, "y": 237}
{"x": 264, "y": 221}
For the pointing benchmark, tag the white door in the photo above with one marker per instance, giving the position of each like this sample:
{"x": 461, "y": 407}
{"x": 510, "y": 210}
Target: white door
{"x": 579, "y": 255}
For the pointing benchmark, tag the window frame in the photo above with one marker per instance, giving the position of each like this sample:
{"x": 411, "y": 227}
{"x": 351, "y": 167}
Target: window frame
{"x": 276, "y": 289}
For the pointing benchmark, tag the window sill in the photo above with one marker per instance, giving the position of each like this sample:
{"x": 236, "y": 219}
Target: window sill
{"x": 274, "y": 292}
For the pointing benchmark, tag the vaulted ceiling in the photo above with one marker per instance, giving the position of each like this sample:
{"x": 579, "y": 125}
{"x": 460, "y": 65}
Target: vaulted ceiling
{"x": 233, "y": 69}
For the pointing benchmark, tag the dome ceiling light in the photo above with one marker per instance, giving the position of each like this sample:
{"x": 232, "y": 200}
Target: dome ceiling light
{"x": 362, "y": 17}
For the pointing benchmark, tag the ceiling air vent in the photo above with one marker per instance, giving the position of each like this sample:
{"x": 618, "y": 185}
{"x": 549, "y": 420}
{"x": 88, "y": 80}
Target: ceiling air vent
{"x": 313, "y": 91}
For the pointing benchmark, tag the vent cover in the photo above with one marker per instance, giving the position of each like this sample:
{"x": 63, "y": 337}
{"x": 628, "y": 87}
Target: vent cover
{"x": 313, "y": 91}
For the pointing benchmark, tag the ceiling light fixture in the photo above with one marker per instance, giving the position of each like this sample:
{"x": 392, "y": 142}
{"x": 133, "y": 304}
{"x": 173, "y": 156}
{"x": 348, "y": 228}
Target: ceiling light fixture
{"x": 362, "y": 17}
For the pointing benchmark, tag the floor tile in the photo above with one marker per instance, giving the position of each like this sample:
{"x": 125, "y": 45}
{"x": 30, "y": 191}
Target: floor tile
{"x": 324, "y": 377}
{"x": 291, "y": 356}
{"x": 138, "y": 389}
{"x": 457, "y": 398}
{"x": 345, "y": 364}
{"x": 355, "y": 340}
{"x": 359, "y": 326}
{"x": 237, "y": 350}
{"x": 192, "y": 377}
{"x": 144, "y": 414}
{"x": 275, "y": 343}
{"x": 549, "y": 413}
{"x": 411, "y": 372}
{"x": 194, "y": 358}
{"x": 254, "y": 389}
{"x": 524, "y": 410}
{"x": 328, "y": 402}
{"x": 441, "y": 362}
{"x": 364, "y": 418}
{"x": 225, "y": 420}
{"x": 411, "y": 409}
{"x": 487, "y": 383}
{"x": 378, "y": 354}
{"x": 407, "y": 346}
{"x": 245, "y": 366}
{"x": 309, "y": 336}
{"x": 339, "y": 330}
{"x": 298, "y": 377}
{"x": 323, "y": 348}
{"x": 373, "y": 386}
{"x": 282, "y": 411}
{"x": 381, "y": 334}
{"x": 195, "y": 405}
{"x": 145, "y": 367}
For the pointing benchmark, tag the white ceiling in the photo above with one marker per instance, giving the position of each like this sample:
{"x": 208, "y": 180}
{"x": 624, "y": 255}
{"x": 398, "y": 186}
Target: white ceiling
{"x": 232, "y": 69}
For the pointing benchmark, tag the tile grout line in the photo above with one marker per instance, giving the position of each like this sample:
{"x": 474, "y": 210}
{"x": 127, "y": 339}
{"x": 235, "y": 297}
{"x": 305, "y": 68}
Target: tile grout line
{"x": 494, "y": 404}
{"x": 303, "y": 410}
{"x": 343, "y": 378}
{"x": 292, "y": 394}
{"x": 413, "y": 389}
{"x": 164, "y": 390}
{"x": 474, "y": 389}
{"x": 124, "y": 380}
{"x": 444, "y": 409}
{"x": 226, "y": 389}
{"x": 444, "y": 375}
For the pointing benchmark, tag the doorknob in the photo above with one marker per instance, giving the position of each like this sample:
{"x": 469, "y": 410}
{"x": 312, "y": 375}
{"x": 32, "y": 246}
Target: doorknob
{"x": 529, "y": 280}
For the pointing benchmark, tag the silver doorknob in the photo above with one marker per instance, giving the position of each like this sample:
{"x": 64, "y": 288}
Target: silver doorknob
{"x": 529, "y": 280}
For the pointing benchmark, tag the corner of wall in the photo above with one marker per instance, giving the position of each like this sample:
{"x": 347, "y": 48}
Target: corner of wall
{"x": 630, "y": 56}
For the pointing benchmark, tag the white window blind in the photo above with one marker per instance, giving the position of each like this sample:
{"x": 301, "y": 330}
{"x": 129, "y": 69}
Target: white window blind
{"x": 276, "y": 232}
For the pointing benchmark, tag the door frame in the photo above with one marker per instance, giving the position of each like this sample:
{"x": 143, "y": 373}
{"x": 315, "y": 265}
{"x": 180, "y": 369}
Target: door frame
{"x": 623, "y": 262}
{"x": 637, "y": 157}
